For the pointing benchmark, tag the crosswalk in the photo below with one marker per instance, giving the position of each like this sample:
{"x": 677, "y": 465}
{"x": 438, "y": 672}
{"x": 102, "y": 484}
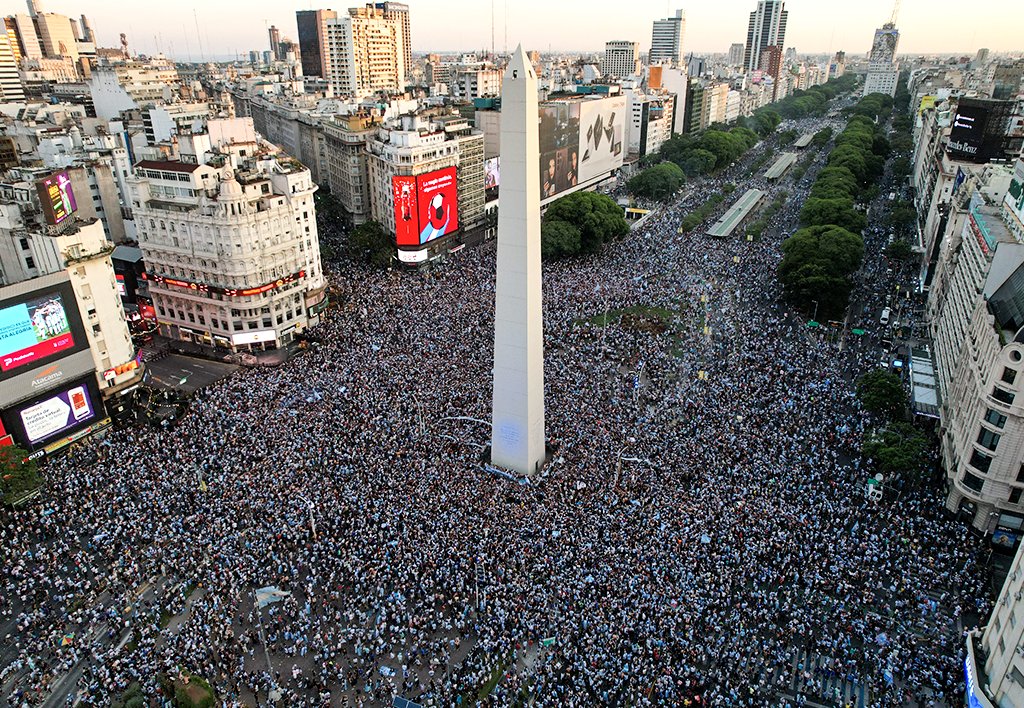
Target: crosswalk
{"x": 811, "y": 676}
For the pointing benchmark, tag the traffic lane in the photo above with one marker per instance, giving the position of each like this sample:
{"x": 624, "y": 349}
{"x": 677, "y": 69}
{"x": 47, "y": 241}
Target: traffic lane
{"x": 185, "y": 373}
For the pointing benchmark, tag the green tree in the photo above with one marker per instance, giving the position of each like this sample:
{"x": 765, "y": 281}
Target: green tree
{"x": 816, "y": 266}
{"x": 370, "y": 243}
{"x": 18, "y": 475}
{"x": 822, "y": 137}
{"x": 898, "y": 450}
{"x": 881, "y": 392}
{"x": 899, "y": 250}
{"x": 659, "y": 182}
{"x": 558, "y": 239}
{"x": 819, "y": 212}
{"x": 698, "y": 161}
{"x": 597, "y": 216}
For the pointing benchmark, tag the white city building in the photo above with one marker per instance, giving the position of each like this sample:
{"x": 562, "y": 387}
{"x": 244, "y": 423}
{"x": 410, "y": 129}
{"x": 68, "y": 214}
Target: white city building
{"x": 365, "y": 52}
{"x": 621, "y": 59}
{"x": 976, "y": 316}
{"x": 883, "y": 70}
{"x": 667, "y": 40}
{"x": 230, "y": 240}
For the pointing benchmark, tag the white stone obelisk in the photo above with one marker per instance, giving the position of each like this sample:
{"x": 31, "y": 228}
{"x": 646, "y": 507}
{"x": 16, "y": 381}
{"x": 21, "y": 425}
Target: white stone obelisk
{"x": 517, "y": 436}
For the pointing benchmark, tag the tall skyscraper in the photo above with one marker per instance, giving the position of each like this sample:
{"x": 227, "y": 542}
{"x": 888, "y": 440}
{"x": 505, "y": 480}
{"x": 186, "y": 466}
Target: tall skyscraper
{"x": 667, "y": 39}
{"x": 11, "y": 89}
{"x": 56, "y": 35}
{"x": 364, "y": 53}
{"x": 275, "y": 42}
{"x": 87, "y": 34}
{"x": 883, "y": 70}
{"x": 399, "y": 12}
{"x": 736, "y": 54}
{"x": 620, "y": 59}
{"x": 26, "y": 37}
{"x": 312, "y": 30}
{"x": 767, "y": 27}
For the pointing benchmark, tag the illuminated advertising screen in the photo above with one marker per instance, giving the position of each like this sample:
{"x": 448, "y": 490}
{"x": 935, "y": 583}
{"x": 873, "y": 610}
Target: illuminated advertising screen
{"x": 967, "y": 132}
{"x": 54, "y": 413}
{"x": 438, "y": 197}
{"x": 403, "y": 188}
{"x": 34, "y": 330}
{"x": 601, "y": 135}
{"x": 559, "y": 140}
{"x": 492, "y": 173}
{"x": 57, "y": 198}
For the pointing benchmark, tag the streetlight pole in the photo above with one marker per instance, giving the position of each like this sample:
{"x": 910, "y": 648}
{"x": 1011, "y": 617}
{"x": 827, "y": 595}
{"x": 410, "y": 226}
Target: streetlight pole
{"x": 604, "y": 327}
{"x": 312, "y": 521}
{"x": 815, "y": 316}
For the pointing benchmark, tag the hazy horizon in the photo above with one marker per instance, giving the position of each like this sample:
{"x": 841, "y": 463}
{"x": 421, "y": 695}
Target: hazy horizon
{"x": 232, "y": 28}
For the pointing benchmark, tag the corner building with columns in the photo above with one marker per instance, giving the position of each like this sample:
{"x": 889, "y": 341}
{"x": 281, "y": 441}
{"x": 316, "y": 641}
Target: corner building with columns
{"x": 228, "y": 234}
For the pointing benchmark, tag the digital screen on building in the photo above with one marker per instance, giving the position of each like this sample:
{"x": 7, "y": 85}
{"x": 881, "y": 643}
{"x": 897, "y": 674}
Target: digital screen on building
{"x": 579, "y": 141}
{"x": 601, "y": 134}
{"x": 37, "y": 329}
{"x": 438, "y": 196}
{"x": 57, "y": 198}
{"x": 559, "y": 140}
{"x": 967, "y": 132}
{"x": 54, "y": 413}
{"x": 492, "y": 173}
{"x": 403, "y": 188}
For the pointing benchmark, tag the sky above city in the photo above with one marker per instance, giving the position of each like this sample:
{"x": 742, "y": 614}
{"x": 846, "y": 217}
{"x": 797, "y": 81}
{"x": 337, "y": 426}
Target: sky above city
{"x": 233, "y": 27}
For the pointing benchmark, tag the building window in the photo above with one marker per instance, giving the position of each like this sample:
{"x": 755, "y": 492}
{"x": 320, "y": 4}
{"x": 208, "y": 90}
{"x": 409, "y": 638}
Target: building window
{"x": 30, "y": 262}
{"x": 1009, "y": 375}
{"x": 980, "y": 461}
{"x": 24, "y": 244}
{"x": 988, "y": 439}
{"x": 237, "y": 326}
{"x": 995, "y": 418}
{"x": 973, "y": 482}
{"x": 1002, "y": 396}
{"x": 1015, "y": 495}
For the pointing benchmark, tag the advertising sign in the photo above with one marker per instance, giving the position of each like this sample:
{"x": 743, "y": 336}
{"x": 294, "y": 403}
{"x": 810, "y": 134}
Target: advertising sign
{"x": 263, "y": 335}
{"x": 559, "y": 140}
{"x": 492, "y": 173}
{"x": 34, "y": 330}
{"x": 56, "y": 197}
{"x": 601, "y": 131}
{"x": 967, "y": 132}
{"x": 403, "y": 188}
{"x": 57, "y": 413}
{"x": 1014, "y": 200}
{"x": 438, "y": 196}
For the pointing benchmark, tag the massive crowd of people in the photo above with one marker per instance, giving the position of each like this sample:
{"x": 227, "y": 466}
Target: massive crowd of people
{"x": 700, "y": 537}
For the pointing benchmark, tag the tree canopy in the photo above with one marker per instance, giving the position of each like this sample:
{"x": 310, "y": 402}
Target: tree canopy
{"x": 659, "y": 182}
{"x": 881, "y": 392}
{"x": 369, "y": 243}
{"x": 18, "y": 474}
{"x": 596, "y": 218}
{"x": 816, "y": 266}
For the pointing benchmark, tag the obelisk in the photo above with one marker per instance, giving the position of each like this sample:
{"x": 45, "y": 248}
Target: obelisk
{"x": 517, "y": 435}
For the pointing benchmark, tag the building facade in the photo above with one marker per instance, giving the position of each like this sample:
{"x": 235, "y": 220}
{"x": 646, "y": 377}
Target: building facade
{"x": 621, "y": 59}
{"x": 312, "y": 32}
{"x": 766, "y": 28}
{"x": 667, "y": 40}
{"x": 883, "y": 70}
{"x": 230, "y": 242}
{"x": 364, "y": 53}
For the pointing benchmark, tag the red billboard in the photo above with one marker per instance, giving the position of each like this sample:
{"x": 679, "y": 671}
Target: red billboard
{"x": 403, "y": 189}
{"x": 426, "y": 207}
{"x": 439, "y": 203}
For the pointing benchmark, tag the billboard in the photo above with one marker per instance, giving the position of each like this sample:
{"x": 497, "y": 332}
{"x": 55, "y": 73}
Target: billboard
{"x": 57, "y": 198}
{"x": 968, "y": 131}
{"x": 438, "y": 197}
{"x": 426, "y": 206}
{"x": 52, "y": 414}
{"x": 601, "y": 133}
{"x": 492, "y": 173}
{"x": 38, "y": 328}
{"x": 1014, "y": 199}
{"x": 403, "y": 189}
{"x": 559, "y": 140}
